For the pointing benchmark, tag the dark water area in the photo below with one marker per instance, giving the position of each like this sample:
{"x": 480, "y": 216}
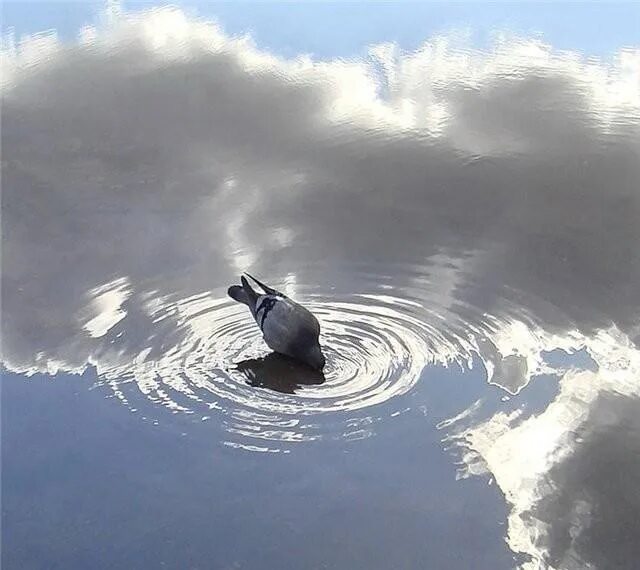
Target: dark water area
{"x": 465, "y": 226}
{"x": 88, "y": 483}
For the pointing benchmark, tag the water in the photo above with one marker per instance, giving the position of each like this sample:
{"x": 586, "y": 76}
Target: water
{"x": 463, "y": 224}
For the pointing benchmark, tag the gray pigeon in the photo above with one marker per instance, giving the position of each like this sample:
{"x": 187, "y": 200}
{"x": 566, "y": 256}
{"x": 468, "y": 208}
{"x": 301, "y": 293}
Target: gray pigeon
{"x": 287, "y": 327}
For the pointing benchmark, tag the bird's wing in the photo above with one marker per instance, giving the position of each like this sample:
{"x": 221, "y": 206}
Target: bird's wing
{"x": 264, "y": 305}
{"x": 279, "y": 324}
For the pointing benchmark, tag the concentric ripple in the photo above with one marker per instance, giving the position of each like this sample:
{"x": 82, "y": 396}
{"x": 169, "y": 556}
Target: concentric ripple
{"x": 376, "y": 346}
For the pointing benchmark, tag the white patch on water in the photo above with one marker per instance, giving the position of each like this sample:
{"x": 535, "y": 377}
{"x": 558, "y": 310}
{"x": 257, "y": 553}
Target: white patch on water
{"x": 106, "y": 305}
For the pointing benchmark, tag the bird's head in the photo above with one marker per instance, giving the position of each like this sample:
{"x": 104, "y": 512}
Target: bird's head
{"x": 314, "y": 357}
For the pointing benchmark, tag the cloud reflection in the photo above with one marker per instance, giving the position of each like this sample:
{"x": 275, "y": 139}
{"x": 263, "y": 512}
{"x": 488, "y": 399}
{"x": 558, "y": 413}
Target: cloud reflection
{"x": 568, "y": 471}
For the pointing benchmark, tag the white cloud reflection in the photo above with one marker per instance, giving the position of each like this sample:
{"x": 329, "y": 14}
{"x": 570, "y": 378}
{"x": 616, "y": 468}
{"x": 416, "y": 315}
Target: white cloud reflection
{"x": 557, "y": 468}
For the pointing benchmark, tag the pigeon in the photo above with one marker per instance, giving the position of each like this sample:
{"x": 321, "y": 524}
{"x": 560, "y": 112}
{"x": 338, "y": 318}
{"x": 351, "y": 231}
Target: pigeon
{"x": 287, "y": 327}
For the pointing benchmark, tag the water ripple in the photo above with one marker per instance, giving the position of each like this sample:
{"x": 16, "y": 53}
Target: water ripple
{"x": 376, "y": 348}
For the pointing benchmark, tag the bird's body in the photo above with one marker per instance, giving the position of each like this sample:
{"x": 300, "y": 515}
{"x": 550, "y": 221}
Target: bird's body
{"x": 287, "y": 327}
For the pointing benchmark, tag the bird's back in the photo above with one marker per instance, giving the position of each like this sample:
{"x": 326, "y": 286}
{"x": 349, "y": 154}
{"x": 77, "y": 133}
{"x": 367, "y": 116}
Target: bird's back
{"x": 285, "y": 323}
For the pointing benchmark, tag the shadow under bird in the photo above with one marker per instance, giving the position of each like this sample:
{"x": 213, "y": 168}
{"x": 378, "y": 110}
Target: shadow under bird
{"x": 287, "y": 327}
{"x": 279, "y": 373}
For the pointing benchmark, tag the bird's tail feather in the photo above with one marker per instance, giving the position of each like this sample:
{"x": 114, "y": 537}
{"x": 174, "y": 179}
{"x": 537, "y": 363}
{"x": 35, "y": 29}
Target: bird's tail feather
{"x": 250, "y": 293}
{"x": 244, "y": 294}
{"x": 237, "y": 293}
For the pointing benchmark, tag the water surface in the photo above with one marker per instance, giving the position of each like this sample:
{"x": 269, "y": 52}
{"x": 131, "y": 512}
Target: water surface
{"x": 464, "y": 225}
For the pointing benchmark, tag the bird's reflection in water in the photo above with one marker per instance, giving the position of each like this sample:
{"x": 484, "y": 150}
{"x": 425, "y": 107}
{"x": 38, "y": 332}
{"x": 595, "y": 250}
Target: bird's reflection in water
{"x": 279, "y": 373}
